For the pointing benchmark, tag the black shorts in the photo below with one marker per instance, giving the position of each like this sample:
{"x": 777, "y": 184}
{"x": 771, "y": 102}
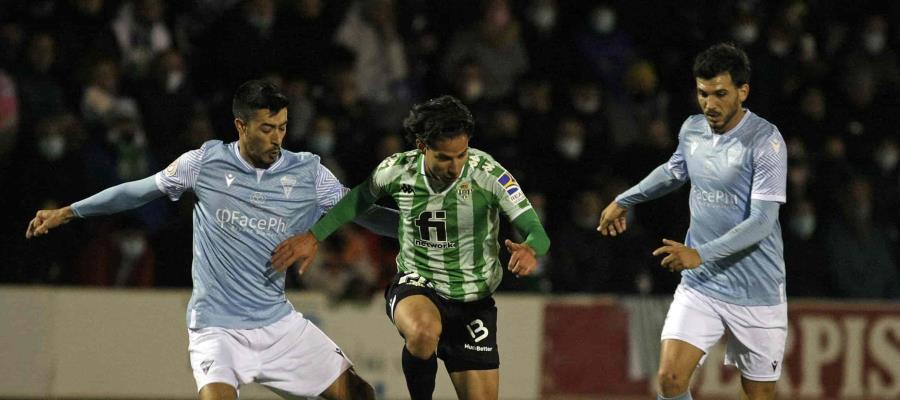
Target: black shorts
{"x": 469, "y": 336}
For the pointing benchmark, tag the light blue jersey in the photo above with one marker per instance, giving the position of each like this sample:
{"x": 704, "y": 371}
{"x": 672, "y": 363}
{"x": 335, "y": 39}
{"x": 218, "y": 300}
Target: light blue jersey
{"x": 242, "y": 214}
{"x": 727, "y": 171}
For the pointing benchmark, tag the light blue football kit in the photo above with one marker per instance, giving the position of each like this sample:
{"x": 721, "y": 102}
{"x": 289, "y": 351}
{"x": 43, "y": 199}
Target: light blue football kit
{"x": 737, "y": 181}
{"x": 241, "y": 214}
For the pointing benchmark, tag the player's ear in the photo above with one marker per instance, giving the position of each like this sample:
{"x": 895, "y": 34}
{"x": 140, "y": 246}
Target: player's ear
{"x": 420, "y": 145}
{"x": 240, "y": 126}
{"x": 744, "y": 92}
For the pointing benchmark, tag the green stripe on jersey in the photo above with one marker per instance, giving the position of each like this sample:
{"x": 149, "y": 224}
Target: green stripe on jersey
{"x": 450, "y": 237}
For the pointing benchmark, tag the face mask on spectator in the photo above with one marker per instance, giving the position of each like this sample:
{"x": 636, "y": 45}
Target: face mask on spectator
{"x": 803, "y": 225}
{"x": 174, "y": 80}
{"x": 874, "y": 42}
{"x": 322, "y": 142}
{"x": 544, "y": 17}
{"x": 587, "y": 105}
{"x": 472, "y": 90}
{"x": 604, "y": 20}
{"x": 779, "y": 47}
{"x": 887, "y": 158}
{"x": 52, "y": 146}
{"x": 746, "y": 33}
{"x": 570, "y": 147}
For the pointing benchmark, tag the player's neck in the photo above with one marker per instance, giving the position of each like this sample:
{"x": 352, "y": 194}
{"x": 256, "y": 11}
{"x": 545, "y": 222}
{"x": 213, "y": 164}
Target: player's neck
{"x": 735, "y": 120}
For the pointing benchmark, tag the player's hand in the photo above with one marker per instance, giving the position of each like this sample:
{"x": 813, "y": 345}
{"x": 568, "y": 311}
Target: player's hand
{"x": 45, "y": 220}
{"x": 612, "y": 220}
{"x": 300, "y": 248}
{"x": 679, "y": 257}
{"x": 522, "y": 261}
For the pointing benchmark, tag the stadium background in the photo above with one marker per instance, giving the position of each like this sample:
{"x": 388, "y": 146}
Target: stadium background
{"x": 578, "y": 100}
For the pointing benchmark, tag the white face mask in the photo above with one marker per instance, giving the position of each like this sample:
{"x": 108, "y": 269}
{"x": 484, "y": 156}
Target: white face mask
{"x": 587, "y": 105}
{"x": 803, "y": 226}
{"x": 887, "y": 158}
{"x": 779, "y": 47}
{"x": 322, "y": 142}
{"x": 874, "y": 42}
{"x": 52, "y": 146}
{"x": 544, "y": 17}
{"x": 604, "y": 20}
{"x": 174, "y": 80}
{"x": 570, "y": 148}
{"x": 132, "y": 246}
{"x": 473, "y": 90}
{"x": 746, "y": 33}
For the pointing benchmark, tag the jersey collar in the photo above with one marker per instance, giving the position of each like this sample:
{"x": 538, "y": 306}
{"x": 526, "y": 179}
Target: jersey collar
{"x": 463, "y": 174}
{"x": 740, "y": 124}
{"x": 237, "y": 153}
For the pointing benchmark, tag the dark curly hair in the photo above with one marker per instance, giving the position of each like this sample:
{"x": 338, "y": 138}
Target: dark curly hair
{"x": 444, "y": 117}
{"x": 256, "y": 95}
{"x": 721, "y": 58}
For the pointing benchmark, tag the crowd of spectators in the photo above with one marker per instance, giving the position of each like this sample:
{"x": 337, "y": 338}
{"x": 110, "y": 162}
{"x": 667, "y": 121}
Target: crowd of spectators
{"x": 579, "y": 100}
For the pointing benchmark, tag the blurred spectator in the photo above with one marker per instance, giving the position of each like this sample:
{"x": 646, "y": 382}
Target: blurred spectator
{"x": 40, "y": 91}
{"x": 9, "y": 116}
{"x": 858, "y": 252}
{"x": 166, "y": 101}
{"x": 494, "y": 42}
{"x": 582, "y": 259}
{"x": 803, "y": 260}
{"x": 606, "y": 48}
{"x": 370, "y": 31}
{"x": 550, "y": 49}
{"x": 141, "y": 34}
{"x": 344, "y": 269}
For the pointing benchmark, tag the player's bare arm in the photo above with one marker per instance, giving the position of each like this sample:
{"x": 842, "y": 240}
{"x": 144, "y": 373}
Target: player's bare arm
{"x": 612, "y": 220}
{"x": 300, "y": 248}
{"x": 678, "y": 256}
{"x": 522, "y": 260}
{"x": 45, "y": 220}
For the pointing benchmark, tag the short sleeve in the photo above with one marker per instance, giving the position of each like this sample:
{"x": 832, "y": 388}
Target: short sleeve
{"x": 329, "y": 190}
{"x": 770, "y": 168}
{"x": 509, "y": 195}
{"x": 181, "y": 174}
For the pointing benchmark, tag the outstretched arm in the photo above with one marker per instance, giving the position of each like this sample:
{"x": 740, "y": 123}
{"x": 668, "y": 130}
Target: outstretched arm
{"x": 658, "y": 183}
{"x": 523, "y": 259}
{"x": 381, "y": 220}
{"x": 118, "y": 198}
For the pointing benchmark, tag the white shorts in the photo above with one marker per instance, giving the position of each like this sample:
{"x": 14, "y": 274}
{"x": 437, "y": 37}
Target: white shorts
{"x": 291, "y": 356}
{"x": 757, "y": 334}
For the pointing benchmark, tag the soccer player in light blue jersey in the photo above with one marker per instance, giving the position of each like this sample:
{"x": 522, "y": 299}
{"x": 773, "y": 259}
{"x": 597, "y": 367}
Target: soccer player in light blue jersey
{"x": 731, "y": 262}
{"x": 251, "y": 195}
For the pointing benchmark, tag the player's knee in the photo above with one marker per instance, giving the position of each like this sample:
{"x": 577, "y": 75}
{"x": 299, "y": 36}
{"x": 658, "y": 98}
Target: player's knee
{"x": 422, "y": 338}
{"x": 672, "y": 383}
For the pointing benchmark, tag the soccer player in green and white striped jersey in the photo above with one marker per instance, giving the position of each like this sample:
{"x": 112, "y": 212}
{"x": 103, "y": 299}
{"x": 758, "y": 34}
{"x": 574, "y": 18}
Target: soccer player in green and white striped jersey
{"x": 450, "y": 197}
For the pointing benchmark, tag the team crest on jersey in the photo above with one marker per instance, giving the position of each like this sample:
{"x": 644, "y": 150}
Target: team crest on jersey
{"x": 511, "y": 187}
{"x": 170, "y": 170}
{"x": 287, "y": 184}
{"x": 464, "y": 191}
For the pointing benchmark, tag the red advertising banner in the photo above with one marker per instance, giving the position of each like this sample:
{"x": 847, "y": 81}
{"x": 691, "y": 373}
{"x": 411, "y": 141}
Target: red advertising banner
{"x": 835, "y": 350}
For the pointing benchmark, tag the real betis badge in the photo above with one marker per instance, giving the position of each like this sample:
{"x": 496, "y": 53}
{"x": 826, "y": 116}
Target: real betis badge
{"x": 464, "y": 191}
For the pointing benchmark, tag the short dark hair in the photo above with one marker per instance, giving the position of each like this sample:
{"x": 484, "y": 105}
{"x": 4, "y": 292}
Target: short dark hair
{"x": 255, "y": 95}
{"x": 721, "y": 58}
{"x": 444, "y": 117}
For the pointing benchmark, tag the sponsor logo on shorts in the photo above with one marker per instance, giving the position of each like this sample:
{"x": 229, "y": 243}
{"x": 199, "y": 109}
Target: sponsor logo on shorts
{"x": 340, "y": 353}
{"x": 477, "y": 348}
{"x": 774, "y": 365}
{"x": 413, "y": 279}
{"x": 205, "y": 365}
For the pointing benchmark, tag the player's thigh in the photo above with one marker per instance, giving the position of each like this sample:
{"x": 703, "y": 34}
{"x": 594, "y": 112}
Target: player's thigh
{"x": 755, "y": 390}
{"x": 299, "y": 359}
{"x": 218, "y": 356}
{"x": 476, "y": 384}
{"x": 218, "y": 391}
{"x": 411, "y": 304}
{"x": 469, "y": 340}
{"x": 757, "y": 342}
{"x": 691, "y": 328}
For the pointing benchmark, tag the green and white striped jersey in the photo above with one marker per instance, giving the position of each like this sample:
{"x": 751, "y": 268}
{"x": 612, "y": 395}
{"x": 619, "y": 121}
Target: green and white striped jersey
{"x": 450, "y": 237}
